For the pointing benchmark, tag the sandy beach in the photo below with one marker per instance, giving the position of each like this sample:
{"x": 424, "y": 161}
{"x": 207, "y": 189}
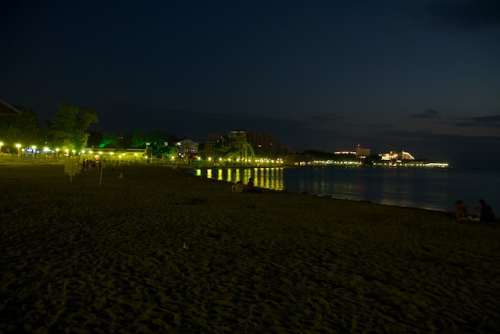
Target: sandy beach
{"x": 164, "y": 251}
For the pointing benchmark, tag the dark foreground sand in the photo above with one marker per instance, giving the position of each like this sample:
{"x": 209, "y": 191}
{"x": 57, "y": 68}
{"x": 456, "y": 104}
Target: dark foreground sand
{"x": 77, "y": 257}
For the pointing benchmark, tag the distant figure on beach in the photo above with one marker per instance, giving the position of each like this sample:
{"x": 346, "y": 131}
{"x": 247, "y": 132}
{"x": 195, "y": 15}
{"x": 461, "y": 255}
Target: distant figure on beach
{"x": 237, "y": 187}
{"x": 123, "y": 175}
{"x": 251, "y": 188}
{"x": 460, "y": 210}
{"x": 250, "y": 183}
{"x": 487, "y": 214}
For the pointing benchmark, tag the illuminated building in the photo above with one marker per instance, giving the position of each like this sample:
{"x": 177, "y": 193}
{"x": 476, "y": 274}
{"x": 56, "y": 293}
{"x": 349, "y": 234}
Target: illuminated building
{"x": 362, "y": 152}
{"x": 187, "y": 146}
{"x": 345, "y": 152}
{"x": 392, "y": 155}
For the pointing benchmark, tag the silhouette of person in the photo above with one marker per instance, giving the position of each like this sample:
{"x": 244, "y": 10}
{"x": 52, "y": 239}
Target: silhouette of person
{"x": 250, "y": 183}
{"x": 237, "y": 187}
{"x": 487, "y": 214}
{"x": 459, "y": 209}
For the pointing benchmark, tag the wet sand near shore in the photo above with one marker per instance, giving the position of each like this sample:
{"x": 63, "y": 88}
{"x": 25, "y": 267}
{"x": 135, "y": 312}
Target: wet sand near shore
{"x": 165, "y": 251}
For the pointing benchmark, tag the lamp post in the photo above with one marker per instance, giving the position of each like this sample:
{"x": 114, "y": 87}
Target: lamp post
{"x": 147, "y": 147}
{"x": 18, "y": 149}
{"x": 33, "y": 152}
{"x": 1, "y": 144}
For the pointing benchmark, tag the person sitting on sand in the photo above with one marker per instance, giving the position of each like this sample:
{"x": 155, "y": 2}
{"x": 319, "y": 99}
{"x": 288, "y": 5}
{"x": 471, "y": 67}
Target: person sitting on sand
{"x": 237, "y": 187}
{"x": 250, "y": 183}
{"x": 251, "y": 188}
{"x": 460, "y": 210}
{"x": 487, "y": 214}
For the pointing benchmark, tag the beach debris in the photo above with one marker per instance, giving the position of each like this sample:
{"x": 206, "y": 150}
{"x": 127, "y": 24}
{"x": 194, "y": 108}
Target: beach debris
{"x": 185, "y": 246}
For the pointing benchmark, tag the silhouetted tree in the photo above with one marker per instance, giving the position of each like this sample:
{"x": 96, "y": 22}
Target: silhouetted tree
{"x": 125, "y": 141}
{"x": 24, "y": 129}
{"x": 95, "y": 138}
{"x": 68, "y": 128}
{"x": 160, "y": 143}
{"x": 109, "y": 139}
{"x": 139, "y": 139}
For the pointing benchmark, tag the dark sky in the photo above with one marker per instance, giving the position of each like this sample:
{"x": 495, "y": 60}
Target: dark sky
{"x": 421, "y": 76}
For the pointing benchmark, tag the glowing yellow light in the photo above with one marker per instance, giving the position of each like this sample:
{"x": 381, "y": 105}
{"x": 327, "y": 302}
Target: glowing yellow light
{"x": 90, "y": 152}
{"x": 83, "y": 152}
{"x": 100, "y": 152}
{"x": 18, "y": 146}
{"x": 111, "y": 153}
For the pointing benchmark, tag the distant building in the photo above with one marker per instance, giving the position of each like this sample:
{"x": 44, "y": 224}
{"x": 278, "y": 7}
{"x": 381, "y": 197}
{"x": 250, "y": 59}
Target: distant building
{"x": 186, "y": 147}
{"x": 392, "y": 155}
{"x": 362, "y": 152}
{"x": 265, "y": 145}
{"x": 240, "y": 145}
{"x": 345, "y": 152}
{"x": 406, "y": 156}
{"x": 213, "y": 140}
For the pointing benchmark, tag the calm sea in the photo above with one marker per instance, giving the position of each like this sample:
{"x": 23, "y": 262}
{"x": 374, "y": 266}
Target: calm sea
{"x": 435, "y": 189}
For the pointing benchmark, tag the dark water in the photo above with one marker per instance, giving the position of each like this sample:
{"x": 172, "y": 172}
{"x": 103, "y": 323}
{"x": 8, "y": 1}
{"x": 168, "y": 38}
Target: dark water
{"x": 435, "y": 189}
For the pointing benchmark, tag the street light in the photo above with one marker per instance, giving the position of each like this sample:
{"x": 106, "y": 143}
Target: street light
{"x": 18, "y": 149}
{"x": 33, "y": 148}
{"x": 1, "y": 146}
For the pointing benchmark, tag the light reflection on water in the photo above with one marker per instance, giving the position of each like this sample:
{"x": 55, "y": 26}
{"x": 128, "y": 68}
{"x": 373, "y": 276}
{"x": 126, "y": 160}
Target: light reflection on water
{"x": 422, "y": 188}
{"x": 270, "y": 178}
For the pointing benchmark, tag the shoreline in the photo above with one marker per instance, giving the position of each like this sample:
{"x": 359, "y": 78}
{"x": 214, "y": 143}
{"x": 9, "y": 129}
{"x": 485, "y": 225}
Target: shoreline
{"x": 167, "y": 251}
{"x": 191, "y": 171}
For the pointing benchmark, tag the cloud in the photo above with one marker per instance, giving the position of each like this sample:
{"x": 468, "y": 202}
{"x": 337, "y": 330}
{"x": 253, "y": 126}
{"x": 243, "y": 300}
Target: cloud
{"x": 429, "y": 114}
{"x": 482, "y": 122}
{"x": 463, "y": 15}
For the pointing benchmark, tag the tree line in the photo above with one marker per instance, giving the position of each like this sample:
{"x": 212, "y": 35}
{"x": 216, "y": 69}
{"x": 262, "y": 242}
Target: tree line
{"x": 68, "y": 130}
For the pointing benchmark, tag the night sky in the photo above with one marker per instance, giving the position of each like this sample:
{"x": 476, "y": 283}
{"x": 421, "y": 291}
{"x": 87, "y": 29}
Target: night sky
{"x": 421, "y": 76}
